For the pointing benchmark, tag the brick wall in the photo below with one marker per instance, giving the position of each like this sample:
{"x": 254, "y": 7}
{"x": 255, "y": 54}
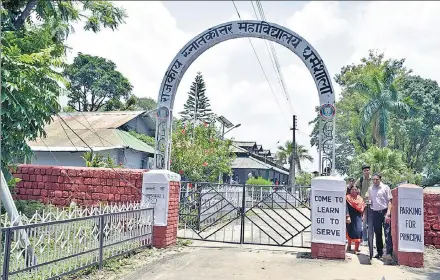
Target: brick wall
{"x": 61, "y": 185}
{"x": 328, "y": 251}
{"x": 432, "y": 219}
{"x": 165, "y": 236}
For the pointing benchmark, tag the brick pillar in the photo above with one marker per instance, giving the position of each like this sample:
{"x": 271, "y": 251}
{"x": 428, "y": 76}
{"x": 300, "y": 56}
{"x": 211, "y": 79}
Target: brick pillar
{"x": 161, "y": 188}
{"x": 407, "y": 225}
{"x": 328, "y": 217}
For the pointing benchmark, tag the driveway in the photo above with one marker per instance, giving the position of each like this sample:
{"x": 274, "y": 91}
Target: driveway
{"x": 205, "y": 260}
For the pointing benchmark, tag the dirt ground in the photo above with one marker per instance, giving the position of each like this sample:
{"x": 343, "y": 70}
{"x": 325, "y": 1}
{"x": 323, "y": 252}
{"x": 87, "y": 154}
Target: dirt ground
{"x": 205, "y": 260}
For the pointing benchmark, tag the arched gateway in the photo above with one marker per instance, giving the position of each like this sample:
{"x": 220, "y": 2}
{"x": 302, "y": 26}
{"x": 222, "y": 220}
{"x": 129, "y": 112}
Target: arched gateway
{"x": 241, "y": 29}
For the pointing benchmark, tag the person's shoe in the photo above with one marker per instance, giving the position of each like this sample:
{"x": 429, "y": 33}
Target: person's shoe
{"x": 364, "y": 243}
{"x": 378, "y": 256}
{"x": 388, "y": 258}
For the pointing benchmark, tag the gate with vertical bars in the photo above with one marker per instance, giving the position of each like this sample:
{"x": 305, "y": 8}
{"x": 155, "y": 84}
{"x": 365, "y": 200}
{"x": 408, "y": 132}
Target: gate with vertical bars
{"x": 245, "y": 214}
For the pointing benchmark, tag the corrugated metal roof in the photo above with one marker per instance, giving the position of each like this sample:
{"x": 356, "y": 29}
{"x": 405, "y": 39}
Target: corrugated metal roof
{"x": 101, "y": 139}
{"x": 244, "y": 143}
{"x": 252, "y": 163}
{"x": 235, "y": 149}
{"x": 97, "y": 120}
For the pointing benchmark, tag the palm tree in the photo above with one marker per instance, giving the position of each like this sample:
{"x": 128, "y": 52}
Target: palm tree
{"x": 285, "y": 155}
{"x": 378, "y": 84}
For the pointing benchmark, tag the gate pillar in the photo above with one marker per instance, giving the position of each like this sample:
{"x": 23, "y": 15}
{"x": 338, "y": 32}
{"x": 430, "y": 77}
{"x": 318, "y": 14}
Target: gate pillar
{"x": 161, "y": 189}
{"x": 407, "y": 225}
{"x": 328, "y": 217}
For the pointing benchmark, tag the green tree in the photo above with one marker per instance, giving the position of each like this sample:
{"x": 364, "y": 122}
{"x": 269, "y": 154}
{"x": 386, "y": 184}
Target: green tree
{"x": 95, "y": 14}
{"x": 32, "y": 51}
{"x": 118, "y": 105}
{"x": 199, "y": 154}
{"x": 93, "y": 82}
{"x": 386, "y": 161}
{"x": 303, "y": 179}
{"x": 146, "y": 104}
{"x": 285, "y": 155}
{"x": 379, "y": 84}
{"x": 260, "y": 181}
{"x": 197, "y": 106}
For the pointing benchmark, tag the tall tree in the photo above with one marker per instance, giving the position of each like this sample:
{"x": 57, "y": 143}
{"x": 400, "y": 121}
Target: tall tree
{"x": 33, "y": 47}
{"x": 285, "y": 155}
{"x": 94, "y": 81}
{"x": 197, "y": 107}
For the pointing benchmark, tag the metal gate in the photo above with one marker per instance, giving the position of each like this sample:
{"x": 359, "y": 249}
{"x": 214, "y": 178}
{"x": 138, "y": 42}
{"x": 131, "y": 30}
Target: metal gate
{"x": 245, "y": 214}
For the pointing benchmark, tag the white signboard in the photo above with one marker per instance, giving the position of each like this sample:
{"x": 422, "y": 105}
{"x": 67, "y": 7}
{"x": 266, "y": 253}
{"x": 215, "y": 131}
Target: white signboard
{"x": 410, "y": 218}
{"x": 328, "y": 212}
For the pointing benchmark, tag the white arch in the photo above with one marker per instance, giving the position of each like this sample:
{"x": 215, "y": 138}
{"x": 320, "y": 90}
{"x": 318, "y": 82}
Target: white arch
{"x": 220, "y": 33}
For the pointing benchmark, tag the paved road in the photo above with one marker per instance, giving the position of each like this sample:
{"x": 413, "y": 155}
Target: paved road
{"x": 217, "y": 261}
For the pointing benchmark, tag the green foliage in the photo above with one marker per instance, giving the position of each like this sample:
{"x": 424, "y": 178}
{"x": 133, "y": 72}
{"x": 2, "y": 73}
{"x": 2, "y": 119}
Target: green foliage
{"x": 33, "y": 48}
{"x": 389, "y": 163}
{"x": 94, "y": 82}
{"x": 146, "y": 104}
{"x": 95, "y": 14}
{"x": 197, "y": 105}
{"x": 260, "y": 181}
{"x": 199, "y": 154}
{"x": 303, "y": 179}
{"x": 144, "y": 138}
{"x": 98, "y": 160}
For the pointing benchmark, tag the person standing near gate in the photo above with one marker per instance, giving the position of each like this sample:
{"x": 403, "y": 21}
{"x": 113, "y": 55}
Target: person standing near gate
{"x": 363, "y": 184}
{"x": 381, "y": 197}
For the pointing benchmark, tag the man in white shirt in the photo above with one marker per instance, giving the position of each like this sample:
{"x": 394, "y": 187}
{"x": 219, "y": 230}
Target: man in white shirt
{"x": 380, "y": 196}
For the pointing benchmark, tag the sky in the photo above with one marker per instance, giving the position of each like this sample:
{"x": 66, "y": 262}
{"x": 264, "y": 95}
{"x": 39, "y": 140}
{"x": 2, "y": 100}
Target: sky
{"x": 342, "y": 33}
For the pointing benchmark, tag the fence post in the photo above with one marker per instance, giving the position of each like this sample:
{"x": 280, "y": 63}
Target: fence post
{"x": 243, "y": 210}
{"x": 7, "y": 255}
{"x": 101, "y": 241}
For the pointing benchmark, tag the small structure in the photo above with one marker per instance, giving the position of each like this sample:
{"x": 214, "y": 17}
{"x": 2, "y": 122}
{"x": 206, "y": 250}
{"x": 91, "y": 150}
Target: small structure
{"x": 107, "y": 133}
{"x": 251, "y": 158}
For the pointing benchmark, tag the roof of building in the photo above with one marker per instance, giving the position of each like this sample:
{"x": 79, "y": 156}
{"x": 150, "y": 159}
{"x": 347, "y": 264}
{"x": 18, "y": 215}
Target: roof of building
{"x": 97, "y": 120}
{"x": 244, "y": 143}
{"x": 253, "y": 163}
{"x": 103, "y": 139}
{"x": 237, "y": 150}
{"x": 97, "y": 129}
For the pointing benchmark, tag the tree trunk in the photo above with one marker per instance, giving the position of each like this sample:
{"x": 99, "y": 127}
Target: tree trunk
{"x": 19, "y": 22}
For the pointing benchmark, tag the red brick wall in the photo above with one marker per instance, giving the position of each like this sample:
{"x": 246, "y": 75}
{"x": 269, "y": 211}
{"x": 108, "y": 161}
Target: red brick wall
{"x": 61, "y": 185}
{"x": 328, "y": 251}
{"x": 165, "y": 236}
{"x": 432, "y": 219}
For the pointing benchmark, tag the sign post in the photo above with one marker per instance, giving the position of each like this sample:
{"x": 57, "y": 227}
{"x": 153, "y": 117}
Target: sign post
{"x": 408, "y": 225}
{"x": 328, "y": 217}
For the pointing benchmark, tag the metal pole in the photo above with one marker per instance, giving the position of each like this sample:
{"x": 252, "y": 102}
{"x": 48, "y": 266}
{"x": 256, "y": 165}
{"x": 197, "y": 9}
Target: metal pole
{"x": 101, "y": 241}
{"x": 243, "y": 211}
{"x": 292, "y": 166}
{"x": 7, "y": 256}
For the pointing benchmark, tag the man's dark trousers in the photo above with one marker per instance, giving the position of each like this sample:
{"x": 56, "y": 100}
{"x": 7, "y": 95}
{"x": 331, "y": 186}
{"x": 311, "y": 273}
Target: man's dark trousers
{"x": 378, "y": 224}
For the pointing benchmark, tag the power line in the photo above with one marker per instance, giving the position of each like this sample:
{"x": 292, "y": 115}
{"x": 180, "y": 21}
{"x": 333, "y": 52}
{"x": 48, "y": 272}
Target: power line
{"x": 264, "y": 72}
{"x": 275, "y": 58}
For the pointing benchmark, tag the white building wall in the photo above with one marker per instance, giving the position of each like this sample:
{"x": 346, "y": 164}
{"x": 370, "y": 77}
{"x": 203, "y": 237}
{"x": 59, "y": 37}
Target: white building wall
{"x": 131, "y": 158}
{"x": 67, "y": 158}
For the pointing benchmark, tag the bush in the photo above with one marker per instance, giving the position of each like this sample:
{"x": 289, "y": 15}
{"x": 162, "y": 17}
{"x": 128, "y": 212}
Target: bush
{"x": 260, "y": 181}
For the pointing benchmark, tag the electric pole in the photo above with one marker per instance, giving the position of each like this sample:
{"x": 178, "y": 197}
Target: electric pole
{"x": 294, "y": 156}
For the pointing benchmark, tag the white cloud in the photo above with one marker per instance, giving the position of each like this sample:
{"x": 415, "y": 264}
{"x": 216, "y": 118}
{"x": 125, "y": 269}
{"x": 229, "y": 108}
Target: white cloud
{"x": 318, "y": 21}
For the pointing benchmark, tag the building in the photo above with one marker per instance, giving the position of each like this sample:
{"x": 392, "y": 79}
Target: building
{"x": 69, "y": 136}
{"x": 251, "y": 158}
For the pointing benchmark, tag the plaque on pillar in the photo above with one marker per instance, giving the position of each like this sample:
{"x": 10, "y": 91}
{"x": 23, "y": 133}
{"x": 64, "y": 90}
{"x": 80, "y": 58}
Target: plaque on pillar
{"x": 155, "y": 191}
